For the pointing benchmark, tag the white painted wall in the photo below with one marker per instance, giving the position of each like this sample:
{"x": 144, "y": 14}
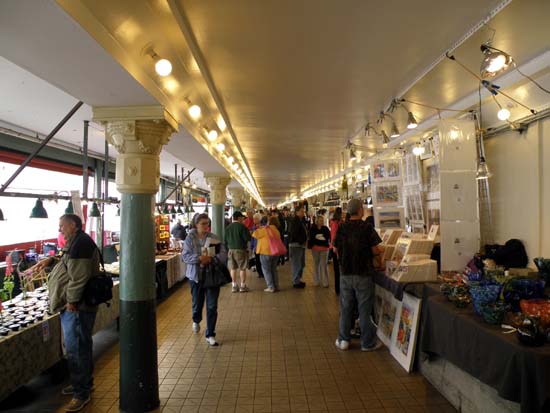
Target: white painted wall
{"x": 520, "y": 187}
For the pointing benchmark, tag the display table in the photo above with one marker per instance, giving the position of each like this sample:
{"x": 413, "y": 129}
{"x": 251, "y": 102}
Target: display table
{"x": 517, "y": 372}
{"x": 27, "y": 353}
{"x": 397, "y": 288}
{"x": 175, "y": 271}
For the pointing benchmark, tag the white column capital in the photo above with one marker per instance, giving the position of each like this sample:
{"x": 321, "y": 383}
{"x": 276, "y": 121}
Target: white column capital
{"x": 138, "y": 133}
{"x": 218, "y": 183}
{"x": 237, "y": 196}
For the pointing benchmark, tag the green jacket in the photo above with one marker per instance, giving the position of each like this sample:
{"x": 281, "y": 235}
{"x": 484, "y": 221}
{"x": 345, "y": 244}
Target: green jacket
{"x": 237, "y": 236}
{"x": 76, "y": 264}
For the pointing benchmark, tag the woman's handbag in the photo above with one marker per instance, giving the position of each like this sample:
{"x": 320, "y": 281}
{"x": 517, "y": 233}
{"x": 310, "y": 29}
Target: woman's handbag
{"x": 276, "y": 246}
{"x": 214, "y": 274}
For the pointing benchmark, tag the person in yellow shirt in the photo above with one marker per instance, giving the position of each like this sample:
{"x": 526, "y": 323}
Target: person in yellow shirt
{"x": 268, "y": 261}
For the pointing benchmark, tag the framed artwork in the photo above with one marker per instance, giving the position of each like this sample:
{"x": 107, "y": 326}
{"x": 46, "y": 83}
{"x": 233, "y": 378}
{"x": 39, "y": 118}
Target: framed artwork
{"x": 428, "y": 151}
{"x": 378, "y": 171}
{"x": 393, "y": 169}
{"x": 411, "y": 170}
{"x": 401, "y": 249}
{"x": 389, "y": 310}
{"x": 387, "y": 194}
{"x": 403, "y": 342}
{"x": 386, "y": 218}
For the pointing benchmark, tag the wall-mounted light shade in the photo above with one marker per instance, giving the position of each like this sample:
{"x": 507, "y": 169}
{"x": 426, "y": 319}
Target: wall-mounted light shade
{"x": 394, "y": 131}
{"x": 39, "y": 211}
{"x": 69, "y": 209}
{"x": 212, "y": 135}
{"x": 2, "y": 216}
{"x": 411, "y": 121}
{"x": 495, "y": 61}
{"x": 163, "y": 67}
{"x": 95, "y": 212}
{"x": 482, "y": 169}
{"x": 194, "y": 111}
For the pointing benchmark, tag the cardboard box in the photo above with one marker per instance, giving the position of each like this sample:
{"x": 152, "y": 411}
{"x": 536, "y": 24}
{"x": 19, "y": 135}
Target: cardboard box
{"x": 418, "y": 271}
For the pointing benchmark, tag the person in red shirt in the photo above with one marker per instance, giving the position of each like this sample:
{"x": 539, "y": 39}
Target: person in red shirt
{"x": 249, "y": 220}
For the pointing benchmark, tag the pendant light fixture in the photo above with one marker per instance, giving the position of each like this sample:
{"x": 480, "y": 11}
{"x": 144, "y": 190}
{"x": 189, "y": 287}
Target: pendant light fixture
{"x": 394, "y": 131}
{"x": 482, "y": 169}
{"x": 179, "y": 210}
{"x": 69, "y": 209}
{"x": 165, "y": 210}
{"x": 352, "y": 154}
{"x": 95, "y": 212}
{"x": 2, "y": 215}
{"x": 412, "y": 123}
{"x": 495, "y": 61}
{"x": 117, "y": 210}
{"x": 39, "y": 211}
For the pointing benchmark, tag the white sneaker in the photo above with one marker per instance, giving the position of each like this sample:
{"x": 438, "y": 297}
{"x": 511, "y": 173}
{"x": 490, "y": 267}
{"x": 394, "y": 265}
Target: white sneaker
{"x": 211, "y": 341}
{"x": 269, "y": 290}
{"x": 235, "y": 289}
{"x": 196, "y": 327}
{"x": 342, "y": 344}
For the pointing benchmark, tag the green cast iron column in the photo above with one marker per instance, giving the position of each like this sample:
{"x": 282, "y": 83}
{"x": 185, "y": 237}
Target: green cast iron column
{"x": 138, "y": 133}
{"x": 138, "y": 331}
{"x": 217, "y": 221}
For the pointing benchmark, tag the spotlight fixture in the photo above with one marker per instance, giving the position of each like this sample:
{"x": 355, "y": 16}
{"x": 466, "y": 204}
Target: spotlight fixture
{"x": 394, "y": 132}
{"x": 418, "y": 149}
{"x": 352, "y": 155}
{"x": 482, "y": 169}
{"x": 411, "y": 121}
{"x": 194, "y": 111}
{"x": 212, "y": 135}
{"x": 495, "y": 61}
{"x": 94, "y": 212}
{"x": 39, "y": 211}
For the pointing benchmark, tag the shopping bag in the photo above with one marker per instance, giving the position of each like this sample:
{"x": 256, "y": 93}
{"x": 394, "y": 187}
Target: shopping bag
{"x": 276, "y": 246}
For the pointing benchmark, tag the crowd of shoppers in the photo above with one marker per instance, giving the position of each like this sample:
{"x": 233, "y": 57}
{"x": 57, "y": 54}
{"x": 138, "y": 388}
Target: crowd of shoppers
{"x": 351, "y": 243}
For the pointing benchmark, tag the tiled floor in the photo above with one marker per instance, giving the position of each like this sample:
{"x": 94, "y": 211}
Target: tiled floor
{"x": 276, "y": 354}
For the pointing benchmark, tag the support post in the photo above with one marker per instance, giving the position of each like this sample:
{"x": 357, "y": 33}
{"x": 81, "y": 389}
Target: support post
{"x": 218, "y": 183}
{"x": 138, "y": 134}
{"x": 85, "y": 160}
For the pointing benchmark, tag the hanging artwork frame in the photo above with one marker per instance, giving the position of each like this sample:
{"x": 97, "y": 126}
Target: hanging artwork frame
{"x": 389, "y": 218}
{"x": 387, "y": 194}
{"x": 404, "y": 335}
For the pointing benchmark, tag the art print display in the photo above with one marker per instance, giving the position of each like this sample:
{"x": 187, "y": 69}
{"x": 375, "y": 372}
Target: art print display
{"x": 386, "y": 218}
{"x": 387, "y": 194}
{"x": 393, "y": 169}
{"x": 389, "y": 309}
{"x": 403, "y": 343}
{"x": 386, "y": 170}
{"x": 378, "y": 171}
{"x": 411, "y": 170}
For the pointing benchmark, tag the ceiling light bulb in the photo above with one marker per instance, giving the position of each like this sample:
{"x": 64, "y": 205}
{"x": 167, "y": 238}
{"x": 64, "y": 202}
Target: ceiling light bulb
{"x": 418, "y": 150}
{"x": 194, "y": 186}
{"x": 220, "y": 146}
{"x": 359, "y": 176}
{"x": 194, "y": 111}
{"x": 230, "y": 160}
{"x": 411, "y": 121}
{"x": 221, "y": 123}
{"x": 213, "y": 135}
{"x": 163, "y": 67}
{"x": 235, "y": 166}
{"x": 503, "y": 114}
{"x": 496, "y": 61}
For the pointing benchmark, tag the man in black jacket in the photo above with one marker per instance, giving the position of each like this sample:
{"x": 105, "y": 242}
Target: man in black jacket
{"x": 297, "y": 238}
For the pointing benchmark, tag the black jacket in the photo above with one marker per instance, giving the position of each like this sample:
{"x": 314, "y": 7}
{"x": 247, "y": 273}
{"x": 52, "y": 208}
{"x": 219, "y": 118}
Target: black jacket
{"x": 297, "y": 231}
{"x": 314, "y": 231}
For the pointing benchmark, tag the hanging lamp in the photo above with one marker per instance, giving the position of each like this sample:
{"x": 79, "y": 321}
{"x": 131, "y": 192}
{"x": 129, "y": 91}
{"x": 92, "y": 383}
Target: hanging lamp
{"x": 2, "y": 216}
{"x": 165, "y": 210}
{"x": 39, "y": 211}
{"x": 179, "y": 210}
{"x": 95, "y": 212}
{"x": 69, "y": 209}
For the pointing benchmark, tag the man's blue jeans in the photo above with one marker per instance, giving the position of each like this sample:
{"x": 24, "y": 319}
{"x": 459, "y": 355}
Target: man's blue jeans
{"x": 297, "y": 263}
{"x": 360, "y": 288}
{"x": 77, "y": 336}
{"x": 198, "y": 295}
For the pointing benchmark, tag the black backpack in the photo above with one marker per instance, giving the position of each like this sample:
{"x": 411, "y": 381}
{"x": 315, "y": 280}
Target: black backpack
{"x": 510, "y": 255}
{"x": 99, "y": 289}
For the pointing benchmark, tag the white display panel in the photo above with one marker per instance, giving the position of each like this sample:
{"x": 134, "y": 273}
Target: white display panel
{"x": 459, "y": 243}
{"x": 458, "y": 151}
{"x": 459, "y": 196}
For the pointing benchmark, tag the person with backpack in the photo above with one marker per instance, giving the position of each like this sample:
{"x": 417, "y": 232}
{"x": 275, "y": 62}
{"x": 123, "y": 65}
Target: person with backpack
{"x": 74, "y": 267}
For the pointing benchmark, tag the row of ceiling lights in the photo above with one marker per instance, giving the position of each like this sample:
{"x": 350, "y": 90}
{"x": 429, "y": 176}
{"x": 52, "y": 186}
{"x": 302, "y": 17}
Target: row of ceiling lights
{"x": 163, "y": 67}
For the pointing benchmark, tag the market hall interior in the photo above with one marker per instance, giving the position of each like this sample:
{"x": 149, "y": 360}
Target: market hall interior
{"x": 137, "y": 115}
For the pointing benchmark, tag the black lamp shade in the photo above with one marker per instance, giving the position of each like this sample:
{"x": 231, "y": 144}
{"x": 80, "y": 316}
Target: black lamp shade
{"x": 39, "y": 211}
{"x": 166, "y": 210}
{"x": 2, "y": 216}
{"x": 179, "y": 210}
